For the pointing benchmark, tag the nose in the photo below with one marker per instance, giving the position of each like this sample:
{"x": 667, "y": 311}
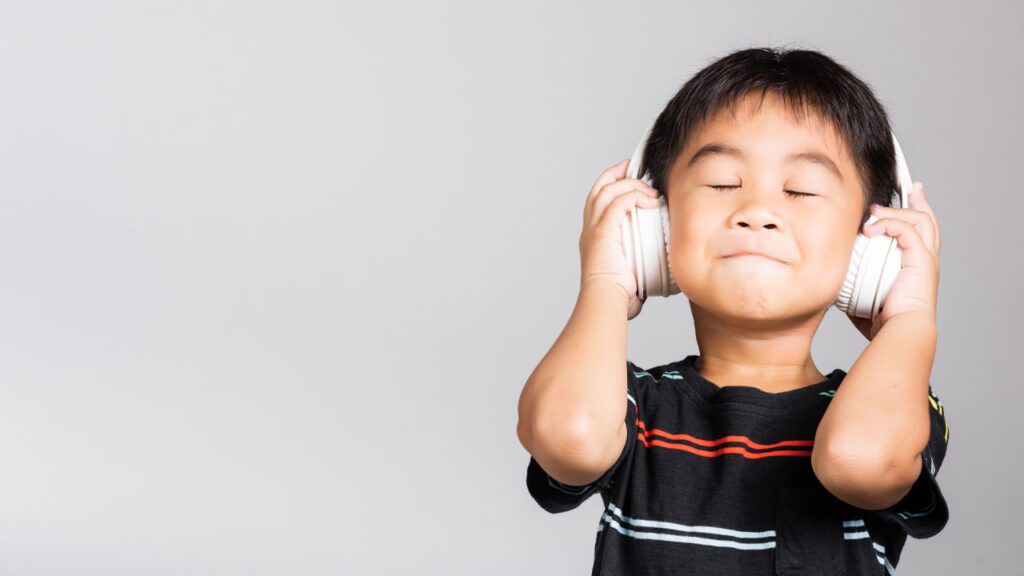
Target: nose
{"x": 756, "y": 212}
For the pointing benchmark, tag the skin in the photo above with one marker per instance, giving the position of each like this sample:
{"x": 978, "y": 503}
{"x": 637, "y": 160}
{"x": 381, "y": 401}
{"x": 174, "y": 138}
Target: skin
{"x": 755, "y": 317}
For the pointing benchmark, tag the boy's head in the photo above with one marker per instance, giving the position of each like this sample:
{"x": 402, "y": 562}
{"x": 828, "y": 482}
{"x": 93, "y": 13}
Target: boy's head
{"x": 775, "y": 125}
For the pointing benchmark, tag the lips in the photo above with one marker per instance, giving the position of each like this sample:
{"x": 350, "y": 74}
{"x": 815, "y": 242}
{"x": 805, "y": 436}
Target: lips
{"x": 752, "y": 253}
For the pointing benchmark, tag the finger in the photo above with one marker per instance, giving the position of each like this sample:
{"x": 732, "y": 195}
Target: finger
{"x": 616, "y": 189}
{"x": 919, "y": 201}
{"x": 921, "y": 221}
{"x": 611, "y": 174}
{"x": 623, "y": 203}
{"x": 916, "y": 253}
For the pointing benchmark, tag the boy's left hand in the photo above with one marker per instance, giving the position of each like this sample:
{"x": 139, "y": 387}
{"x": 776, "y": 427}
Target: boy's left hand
{"x": 916, "y": 287}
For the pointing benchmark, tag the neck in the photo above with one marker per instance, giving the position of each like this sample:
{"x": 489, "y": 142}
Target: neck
{"x": 772, "y": 355}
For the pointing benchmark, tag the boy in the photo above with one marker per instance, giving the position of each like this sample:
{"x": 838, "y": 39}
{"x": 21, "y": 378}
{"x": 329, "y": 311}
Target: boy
{"x": 746, "y": 459}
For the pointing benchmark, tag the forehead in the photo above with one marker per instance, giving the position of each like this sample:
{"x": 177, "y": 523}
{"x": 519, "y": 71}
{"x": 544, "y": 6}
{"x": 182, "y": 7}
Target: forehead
{"x": 763, "y": 125}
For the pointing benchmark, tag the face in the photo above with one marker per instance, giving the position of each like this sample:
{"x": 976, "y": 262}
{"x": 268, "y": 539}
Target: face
{"x": 807, "y": 240}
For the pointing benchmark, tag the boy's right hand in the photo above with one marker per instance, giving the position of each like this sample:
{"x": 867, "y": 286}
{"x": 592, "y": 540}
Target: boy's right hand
{"x": 602, "y": 255}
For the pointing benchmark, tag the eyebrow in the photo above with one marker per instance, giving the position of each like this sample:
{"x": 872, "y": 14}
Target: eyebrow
{"x": 811, "y": 156}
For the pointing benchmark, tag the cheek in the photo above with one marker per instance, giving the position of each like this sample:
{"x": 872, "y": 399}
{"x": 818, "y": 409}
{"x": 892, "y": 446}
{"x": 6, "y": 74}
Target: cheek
{"x": 688, "y": 242}
{"x": 690, "y": 254}
{"x": 825, "y": 261}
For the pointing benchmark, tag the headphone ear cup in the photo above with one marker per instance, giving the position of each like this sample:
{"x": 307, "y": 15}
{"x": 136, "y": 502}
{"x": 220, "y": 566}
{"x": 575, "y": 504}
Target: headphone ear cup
{"x": 633, "y": 249}
{"x": 645, "y": 235}
{"x": 876, "y": 260}
{"x": 848, "y": 294}
{"x": 645, "y": 238}
{"x": 874, "y": 265}
{"x": 670, "y": 281}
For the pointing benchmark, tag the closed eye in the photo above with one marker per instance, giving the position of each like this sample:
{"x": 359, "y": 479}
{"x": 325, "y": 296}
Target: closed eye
{"x": 790, "y": 192}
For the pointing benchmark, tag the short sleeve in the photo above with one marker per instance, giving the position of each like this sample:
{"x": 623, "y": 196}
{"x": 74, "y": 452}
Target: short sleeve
{"x": 554, "y": 496}
{"x": 923, "y": 512}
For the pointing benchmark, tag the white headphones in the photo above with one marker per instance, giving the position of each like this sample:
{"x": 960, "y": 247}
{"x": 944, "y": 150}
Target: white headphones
{"x": 874, "y": 264}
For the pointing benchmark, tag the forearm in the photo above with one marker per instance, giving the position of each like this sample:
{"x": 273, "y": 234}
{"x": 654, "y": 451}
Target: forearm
{"x": 869, "y": 441}
{"x": 579, "y": 387}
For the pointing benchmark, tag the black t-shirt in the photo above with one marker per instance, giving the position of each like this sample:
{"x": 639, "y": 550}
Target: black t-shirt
{"x": 718, "y": 481}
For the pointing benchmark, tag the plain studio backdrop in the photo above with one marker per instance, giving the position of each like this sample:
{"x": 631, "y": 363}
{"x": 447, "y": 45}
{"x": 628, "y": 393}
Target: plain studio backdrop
{"x": 274, "y": 274}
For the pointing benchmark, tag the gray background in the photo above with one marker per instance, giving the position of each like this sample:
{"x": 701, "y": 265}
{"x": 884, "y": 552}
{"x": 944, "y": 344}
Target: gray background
{"x": 275, "y": 274}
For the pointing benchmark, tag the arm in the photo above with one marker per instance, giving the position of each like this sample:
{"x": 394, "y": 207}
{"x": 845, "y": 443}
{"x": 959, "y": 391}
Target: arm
{"x": 571, "y": 409}
{"x": 867, "y": 449}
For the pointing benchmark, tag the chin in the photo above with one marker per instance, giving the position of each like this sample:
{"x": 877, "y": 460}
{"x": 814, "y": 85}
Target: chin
{"x": 751, "y": 310}
{"x": 756, "y": 307}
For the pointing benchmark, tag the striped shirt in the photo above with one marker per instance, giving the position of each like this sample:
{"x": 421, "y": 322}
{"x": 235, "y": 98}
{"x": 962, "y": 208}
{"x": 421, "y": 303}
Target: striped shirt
{"x": 718, "y": 481}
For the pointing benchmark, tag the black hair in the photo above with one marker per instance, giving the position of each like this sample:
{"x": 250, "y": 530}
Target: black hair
{"x": 806, "y": 80}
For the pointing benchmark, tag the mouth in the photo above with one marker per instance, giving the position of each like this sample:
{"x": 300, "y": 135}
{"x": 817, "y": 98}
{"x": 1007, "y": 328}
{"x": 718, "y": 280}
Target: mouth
{"x": 752, "y": 255}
